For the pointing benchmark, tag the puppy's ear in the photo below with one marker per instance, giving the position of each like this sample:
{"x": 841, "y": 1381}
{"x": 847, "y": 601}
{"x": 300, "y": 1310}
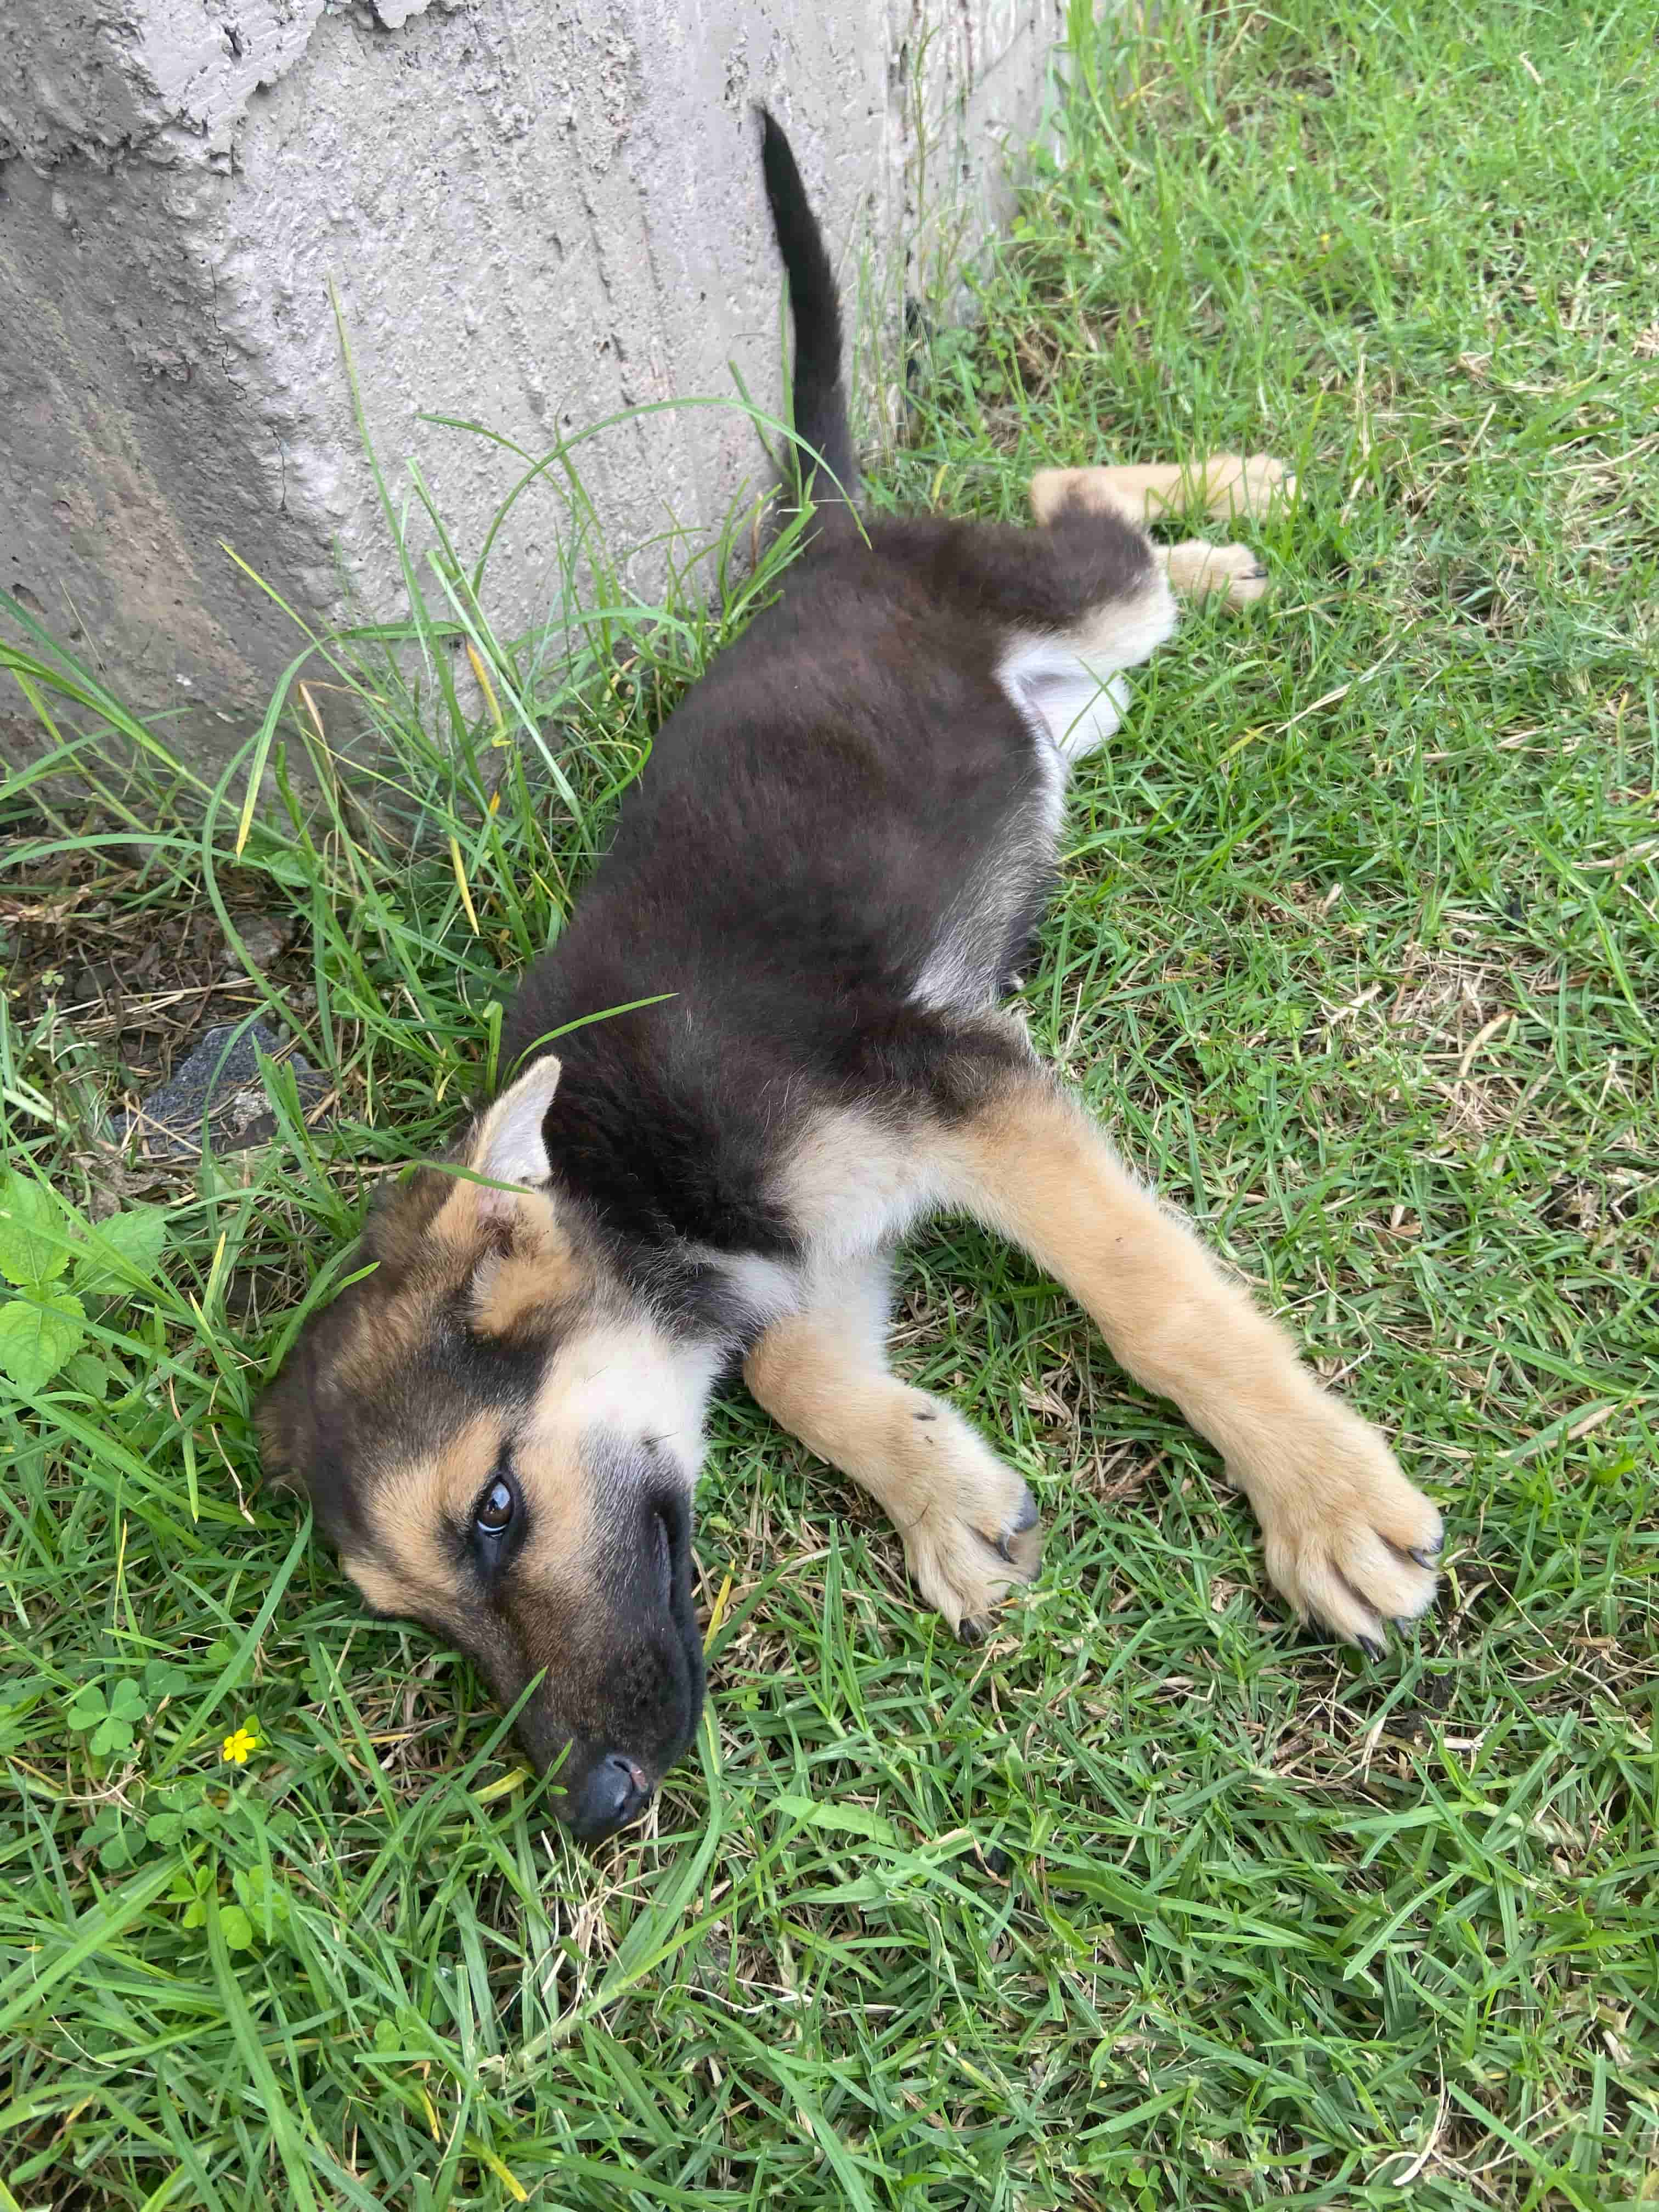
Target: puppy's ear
{"x": 524, "y": 1261}
{"x": 508, "y": 1145}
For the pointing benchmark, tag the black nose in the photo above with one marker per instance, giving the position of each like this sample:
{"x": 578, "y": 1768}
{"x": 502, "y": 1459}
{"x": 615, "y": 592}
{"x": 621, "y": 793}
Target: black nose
{"x": 615, "y": 1793}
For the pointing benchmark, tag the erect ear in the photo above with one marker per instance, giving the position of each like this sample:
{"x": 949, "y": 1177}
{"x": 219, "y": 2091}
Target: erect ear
{"x": 509, "y": 1146}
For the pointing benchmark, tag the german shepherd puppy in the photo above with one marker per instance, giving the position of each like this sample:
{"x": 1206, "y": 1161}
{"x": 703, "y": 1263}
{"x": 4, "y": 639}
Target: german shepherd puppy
{"x": 837, "y": 854}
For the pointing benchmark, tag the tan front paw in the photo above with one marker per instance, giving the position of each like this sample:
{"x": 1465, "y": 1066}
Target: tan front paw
{"x": 1197, "y": 567}
{"x": 977, "y": 1537}
{"x": 1350, "y": 1542}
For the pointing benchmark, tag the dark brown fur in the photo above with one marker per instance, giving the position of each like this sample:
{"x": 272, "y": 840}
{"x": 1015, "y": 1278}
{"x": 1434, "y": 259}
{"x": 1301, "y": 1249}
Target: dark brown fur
{"x": 840, "y": 846}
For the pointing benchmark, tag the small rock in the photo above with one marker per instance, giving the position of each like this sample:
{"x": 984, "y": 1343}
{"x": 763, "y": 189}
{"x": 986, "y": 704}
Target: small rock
{"x": 266, "y": 938}
{"x": 220, "y": 1081}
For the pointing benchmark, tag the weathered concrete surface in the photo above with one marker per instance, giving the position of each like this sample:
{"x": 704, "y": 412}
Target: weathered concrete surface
{"x": 534, "y": 215}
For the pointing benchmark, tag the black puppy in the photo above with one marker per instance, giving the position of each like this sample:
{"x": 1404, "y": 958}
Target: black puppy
{"x": 840, "y": 848}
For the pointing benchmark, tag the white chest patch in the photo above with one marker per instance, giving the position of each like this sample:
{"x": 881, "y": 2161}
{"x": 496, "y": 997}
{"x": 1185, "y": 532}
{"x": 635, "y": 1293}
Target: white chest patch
{"x": 1069, "y": 687}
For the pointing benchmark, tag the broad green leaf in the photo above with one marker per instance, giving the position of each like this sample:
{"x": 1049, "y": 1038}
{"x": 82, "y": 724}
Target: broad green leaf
{"x": 163, "y": 1680}
{"x": 261, "y": 1893}
{"x": 110, "y": 1736}
{"x": 88, "y": 1372}
{"x": 236, "y": 1928}
{"x": 27, "y": 1257}
{"x": 164, "y": 1828}
{"x": 88, "y": 1707}
{"x": 37, "y": 1336}
{"x": 135, "y": 1238}
{"x": 128, "y": 1702}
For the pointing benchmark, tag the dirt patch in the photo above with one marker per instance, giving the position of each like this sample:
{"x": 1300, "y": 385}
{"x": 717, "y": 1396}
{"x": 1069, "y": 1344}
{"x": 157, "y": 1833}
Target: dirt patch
{"x": 136, "y": 976}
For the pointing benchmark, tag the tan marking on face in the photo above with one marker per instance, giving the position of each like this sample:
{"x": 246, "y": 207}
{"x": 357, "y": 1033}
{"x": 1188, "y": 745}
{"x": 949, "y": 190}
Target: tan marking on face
{"x": 415, "y": 1504}
{"x": 531, "y": 1267}
{"x": 410, "y": 1506}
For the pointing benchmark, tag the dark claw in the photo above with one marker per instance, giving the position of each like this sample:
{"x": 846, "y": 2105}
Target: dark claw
{"x": 1427, "y": 1555}
{"x": 1025, "y": 1518}
{"x": 1372, "y": 1650}
{"x": 972, "y": 1630}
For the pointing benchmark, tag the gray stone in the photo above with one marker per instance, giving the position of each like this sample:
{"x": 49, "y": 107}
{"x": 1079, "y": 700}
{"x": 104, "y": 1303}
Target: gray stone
{"x": 263, "y": 940}
{"x": 533, "y": 215}
{"x": 221, "y": 1080}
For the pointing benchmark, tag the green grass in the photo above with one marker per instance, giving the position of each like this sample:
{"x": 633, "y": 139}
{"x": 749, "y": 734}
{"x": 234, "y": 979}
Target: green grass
{"x": 1152, "y": 1902}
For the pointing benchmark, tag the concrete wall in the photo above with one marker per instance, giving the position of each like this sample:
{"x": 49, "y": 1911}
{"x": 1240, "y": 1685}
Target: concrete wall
{"x": 534, "y": 213}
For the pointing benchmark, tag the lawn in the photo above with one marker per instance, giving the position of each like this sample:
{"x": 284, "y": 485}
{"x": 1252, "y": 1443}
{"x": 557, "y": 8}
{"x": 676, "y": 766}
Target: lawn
{"x": 1152, "y": 1901}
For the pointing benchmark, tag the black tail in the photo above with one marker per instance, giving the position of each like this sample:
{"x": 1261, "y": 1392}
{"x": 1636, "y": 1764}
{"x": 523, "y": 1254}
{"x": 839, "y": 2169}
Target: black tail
{"x": 820, "y": 398}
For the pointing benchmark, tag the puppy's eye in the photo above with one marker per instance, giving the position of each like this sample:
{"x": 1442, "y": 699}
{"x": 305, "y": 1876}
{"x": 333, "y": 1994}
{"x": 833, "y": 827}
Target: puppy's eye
{"x": 493, "y": 1510}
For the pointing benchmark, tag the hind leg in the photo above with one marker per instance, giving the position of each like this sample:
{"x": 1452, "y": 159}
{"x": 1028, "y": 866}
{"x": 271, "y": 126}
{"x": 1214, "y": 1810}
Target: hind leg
{"x": 1227, "y": 485}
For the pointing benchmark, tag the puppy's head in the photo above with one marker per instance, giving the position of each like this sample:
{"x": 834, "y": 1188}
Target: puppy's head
{"x": 504, "y": 1451}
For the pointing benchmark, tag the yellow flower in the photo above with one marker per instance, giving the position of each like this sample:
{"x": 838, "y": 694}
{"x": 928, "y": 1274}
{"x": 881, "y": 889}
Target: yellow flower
{"x": 235, "y": 1748}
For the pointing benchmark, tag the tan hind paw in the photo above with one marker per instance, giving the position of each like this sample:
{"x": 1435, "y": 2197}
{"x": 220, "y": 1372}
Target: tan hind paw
{"x": 1196, "y": 568}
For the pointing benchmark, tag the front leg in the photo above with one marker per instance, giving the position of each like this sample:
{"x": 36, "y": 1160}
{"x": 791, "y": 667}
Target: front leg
{"x": 968, "y": 1523}
{"x": 1349, "y": 1541}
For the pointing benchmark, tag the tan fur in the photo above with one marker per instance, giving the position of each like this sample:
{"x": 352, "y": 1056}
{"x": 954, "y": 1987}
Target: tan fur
{"x": 1195, "y": 568}
{"x": 411, "y": 1571}
{"x": 412, "y": 1568}
{"x": 1339, "y": 1518}
{"x": 1227, "y": 485}
{"x": 539, "y": 1269}
{"x": 822, "y": 1374}
{"x": 387, "y": 1333}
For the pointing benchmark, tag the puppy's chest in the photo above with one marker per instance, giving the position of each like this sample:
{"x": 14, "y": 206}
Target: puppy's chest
{"x": 849, "y": 1186}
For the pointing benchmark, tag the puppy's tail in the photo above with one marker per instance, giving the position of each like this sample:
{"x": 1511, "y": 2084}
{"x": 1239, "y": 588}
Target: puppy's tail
{"x": 820, "y": 397}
